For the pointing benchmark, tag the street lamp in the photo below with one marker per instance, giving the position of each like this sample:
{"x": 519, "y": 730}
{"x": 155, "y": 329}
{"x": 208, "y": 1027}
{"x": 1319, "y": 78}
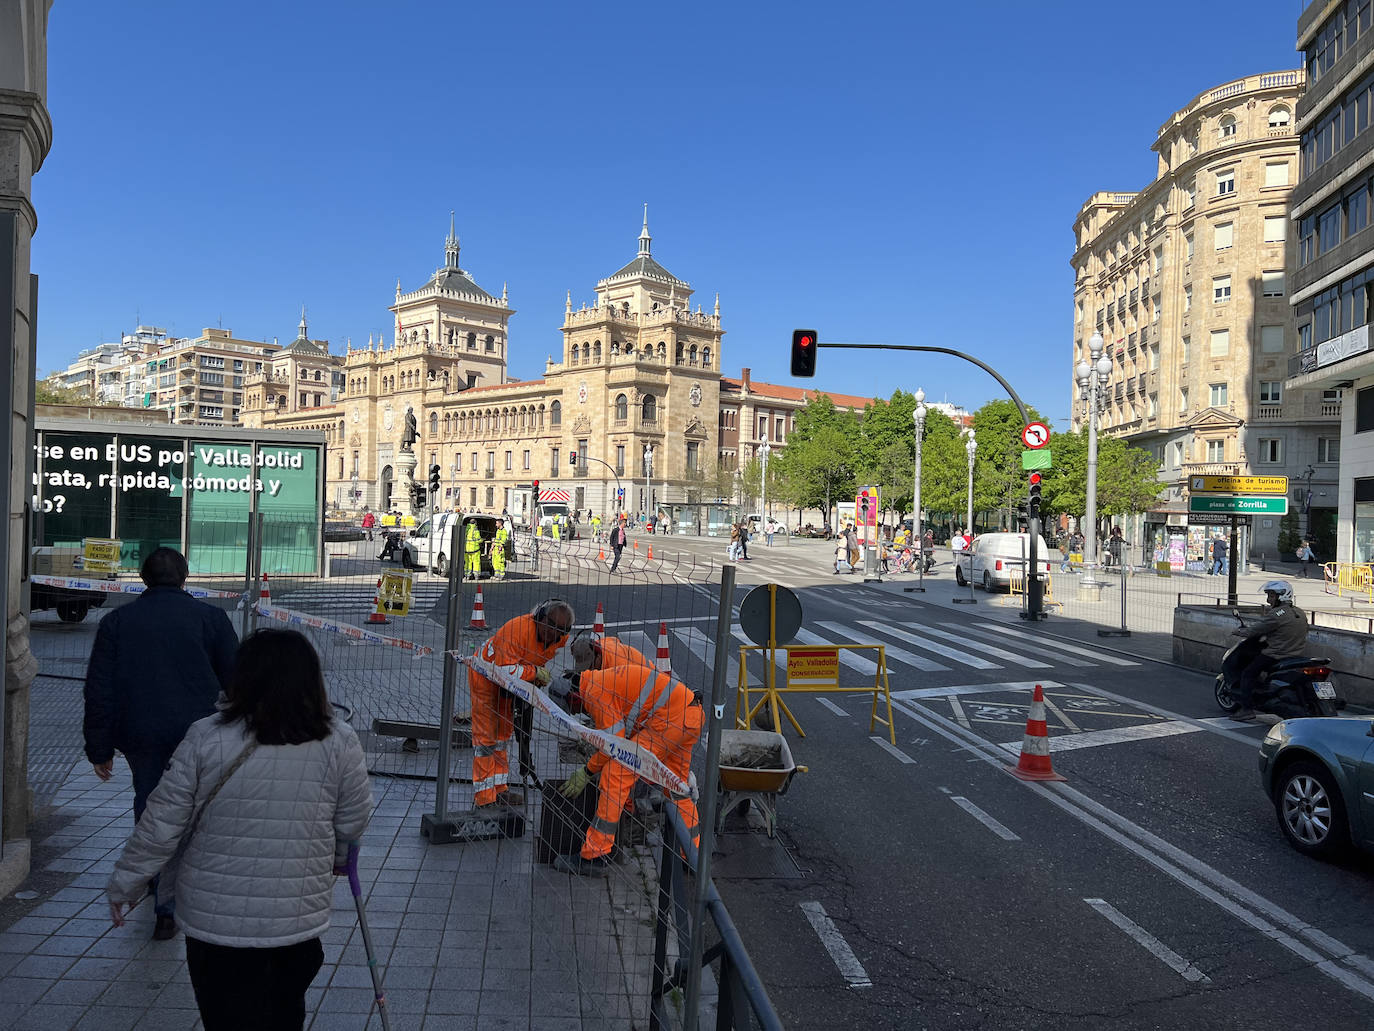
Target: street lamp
{"x": 648, "y": 477}
{"x": 1092, "y": 378}
{"x": 918, "y": 416}
{"x": 971, "y": 448}
{"x": 764, "y": 452}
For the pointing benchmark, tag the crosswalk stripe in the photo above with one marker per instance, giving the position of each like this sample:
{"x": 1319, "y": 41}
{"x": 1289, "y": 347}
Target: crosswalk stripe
{"x": 892, "y": 651}
{"x": 643, "y": 642}
{"x": 1034, "y": 649}
{"x": 977, "y": 646}
{"x": 780, "y": 659}
{"x": 698, "y": 643}
{"x": 1099, "y": 656}
{"x": 930, "y": 646}
{"x": 855, "y": 662}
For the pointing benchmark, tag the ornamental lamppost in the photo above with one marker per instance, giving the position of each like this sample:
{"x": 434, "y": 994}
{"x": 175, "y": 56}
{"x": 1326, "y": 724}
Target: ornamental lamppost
{"x": 1092, "y": 378}
{"x": 971, "y": 448}
{"x": 648, "y": 477}
{"x": 764, "y": 452}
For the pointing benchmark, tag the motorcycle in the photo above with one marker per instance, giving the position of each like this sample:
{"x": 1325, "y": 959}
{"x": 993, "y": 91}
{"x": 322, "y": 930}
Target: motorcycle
{"x": 1295, "y": 687}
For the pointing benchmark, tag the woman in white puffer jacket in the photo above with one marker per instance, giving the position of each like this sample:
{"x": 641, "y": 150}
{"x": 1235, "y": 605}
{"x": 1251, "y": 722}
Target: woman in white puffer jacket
{"x": 268, "y": 794}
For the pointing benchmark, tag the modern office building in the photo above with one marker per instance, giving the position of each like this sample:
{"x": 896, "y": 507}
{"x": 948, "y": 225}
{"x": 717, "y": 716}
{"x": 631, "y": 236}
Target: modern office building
{"x": 1332, "y": 278}
{"x": 1185, "y": 280}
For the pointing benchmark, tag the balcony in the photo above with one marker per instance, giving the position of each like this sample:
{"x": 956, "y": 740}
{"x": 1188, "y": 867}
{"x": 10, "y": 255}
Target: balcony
{"x": 1211, "y": 468}
{"x": 1267, "y": 411}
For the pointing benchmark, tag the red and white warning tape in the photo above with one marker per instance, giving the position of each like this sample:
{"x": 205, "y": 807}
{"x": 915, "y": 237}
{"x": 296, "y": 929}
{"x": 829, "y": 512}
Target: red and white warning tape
{"x": 634, "y": 756}
{"x": 293, "y": 618}
{"x": 122, "y": 586}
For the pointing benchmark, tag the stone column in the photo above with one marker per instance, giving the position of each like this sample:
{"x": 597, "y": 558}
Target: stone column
{"x": 25, "y": 138}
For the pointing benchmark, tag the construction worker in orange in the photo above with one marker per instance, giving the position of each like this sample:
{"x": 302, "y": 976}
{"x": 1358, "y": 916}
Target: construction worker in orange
{"x": 521, "y": 647}
{"x": 588, "y": 651}
{"x": 649, "y": 708}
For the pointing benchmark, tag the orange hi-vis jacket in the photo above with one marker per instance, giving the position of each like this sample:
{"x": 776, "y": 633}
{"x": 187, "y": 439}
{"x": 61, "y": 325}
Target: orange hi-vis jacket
{"x": 628, "y": 699}
{"x": 615, "y": 652}
{"x": 515, "y": 647}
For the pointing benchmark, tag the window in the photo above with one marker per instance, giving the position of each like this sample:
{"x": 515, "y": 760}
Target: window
{"x": 510, "y": 460}
{"x": 1226, "y": 127}
{"x": 622, "y": 408}
{"x": 474, "y": 462}
{"x": 1272, "y": 283}
{"x": 491, "y": 344}
{"x": 553, "y": 463}
{"x": 1226, "y": 183}
{"x": 1328, "y": 229}
{"x": 525, "y": 460}
{"x": 620, "y": 459}
{"x": 1275, "y": 228}
{"x": 1304, "y": 336}
{"x": 1153, "y": 352}
{"x": 556, "y": 414}
{"x": 1216, "y": 394}
{"x": 1270, "y": 392}
{"x": 1271, "y": 339}
{"x": 433, "y": 424}
{"x": 458, "y": 462}
{"x": 763, "y": 427}
{"x": 1191, "y": 194}
{"x": 1151, "y": 410}
{"x": 1223, "y": 235}
{"x": 1220, "y": 343}
{"x": 1158, "y": 259}
{"x": 649, "y": 409}
{"x": 1279, "y": 118}
{"x": 491, "y": 461}
{"x": 1187, "y": 299}
{"x": 1276, "y": 173}
{"x": 1307, "y": 239}
{"x": 1328, "y": 450}
{"x": 692, "y": 456}
{"x": 1356, "y": 211}
{"x": 472, "y": 346}
{"x": 1221, "y": 289}
{"x": 1187, "y": 349}
{"x": 1183, "y": 399}
{"x": 472, "y": 497}
{"x": 1270, "y": 449}
{"x": 1188, "y": 247}
{"x": 1216, "y": 451}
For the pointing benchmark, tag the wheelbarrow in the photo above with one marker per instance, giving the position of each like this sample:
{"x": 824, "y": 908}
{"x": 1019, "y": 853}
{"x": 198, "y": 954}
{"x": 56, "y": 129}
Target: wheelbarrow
{"x": 755, "y": 766}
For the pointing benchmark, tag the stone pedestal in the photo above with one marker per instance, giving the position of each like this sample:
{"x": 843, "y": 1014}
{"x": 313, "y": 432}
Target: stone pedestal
{"x": 1089, "y": 589}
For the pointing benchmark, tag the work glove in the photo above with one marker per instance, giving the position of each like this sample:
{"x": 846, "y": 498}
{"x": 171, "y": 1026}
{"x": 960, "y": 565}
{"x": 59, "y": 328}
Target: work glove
{"x": 576, "y": 784}
{"x": 542, "y": 676}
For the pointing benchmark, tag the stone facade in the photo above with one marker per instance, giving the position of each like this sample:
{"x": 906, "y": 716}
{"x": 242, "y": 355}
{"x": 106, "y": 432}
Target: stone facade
{"x": 1186, "y": 282}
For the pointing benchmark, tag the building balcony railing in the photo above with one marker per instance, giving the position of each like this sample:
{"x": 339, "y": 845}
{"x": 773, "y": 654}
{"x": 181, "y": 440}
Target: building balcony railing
{"x": 1330, "y": 408}
{"x": 1269, "y": 412}
{"x": 1211, "y": 468}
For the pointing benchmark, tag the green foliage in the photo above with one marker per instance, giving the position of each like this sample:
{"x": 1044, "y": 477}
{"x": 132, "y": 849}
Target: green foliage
{"x": 998, "y": 479}
{"x": 819, "y": 464}
{"x": 51, "y": 391}
{"x": 1127, "y": 480}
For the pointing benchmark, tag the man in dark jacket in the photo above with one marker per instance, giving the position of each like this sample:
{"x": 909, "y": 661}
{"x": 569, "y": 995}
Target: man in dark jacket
{"x": 617, "y": 541}
{"x": 158, "y": 664}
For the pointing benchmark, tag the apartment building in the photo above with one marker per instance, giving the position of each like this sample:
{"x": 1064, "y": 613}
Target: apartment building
{"x": 1333, "y": 268}
{"x": 1186, "y": 281}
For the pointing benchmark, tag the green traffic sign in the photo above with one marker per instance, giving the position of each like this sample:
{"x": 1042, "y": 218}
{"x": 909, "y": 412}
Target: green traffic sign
{"x": 1036, "y": 459}
{"x": 1231, "y": 505}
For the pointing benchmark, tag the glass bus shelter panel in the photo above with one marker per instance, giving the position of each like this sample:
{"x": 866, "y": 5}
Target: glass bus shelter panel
{"x": 151, "y": 495}
{"x": 76, "y": 495}
{"x": 290, "y": 507}
{"x": 219, "y": 492}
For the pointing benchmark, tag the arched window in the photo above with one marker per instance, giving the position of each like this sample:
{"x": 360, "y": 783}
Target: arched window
{"x": 556, "y": 414}
{"x": 433, "y": 424}
{"x": 452, "y": 337}
{"x": 448, "y": 426}
{"x": 490, "y": 343}
{"x": 706, "y": 357}
{"x": 317, "y": 375}
{"x": 472, "y": 341}
{"x": 622, "y": 408}
{"x": 615, "y": 348}
{"x": 1226, "y": 127}
{"x": 426, "y": 334}
{"x": 649, "y": 410}
{"x": 663, "y": 350}
{"x": 596, "y": 351}
{"x": 341, "y": 431}
{"x": 586, "y": 352}
{"x": 1279, "y": 117}
{"x": 692, "y": 356}
{"x": 572, "y": 354}
{"x": 679, "y": 352}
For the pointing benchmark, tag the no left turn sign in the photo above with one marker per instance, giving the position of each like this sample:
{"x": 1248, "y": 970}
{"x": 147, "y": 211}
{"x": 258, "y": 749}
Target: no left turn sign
{"x": 1036, "y": 435}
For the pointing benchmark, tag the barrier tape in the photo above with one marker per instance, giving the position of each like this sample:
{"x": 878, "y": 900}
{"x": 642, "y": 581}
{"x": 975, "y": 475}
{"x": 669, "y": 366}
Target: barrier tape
{"x": 293, "y": 618}
{"x": 635, "y": 757}
{"x": 122, "y": 587}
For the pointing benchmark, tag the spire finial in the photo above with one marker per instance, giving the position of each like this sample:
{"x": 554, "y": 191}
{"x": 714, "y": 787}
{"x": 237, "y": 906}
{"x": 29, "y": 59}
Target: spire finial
{"x": 644, "y": 236}
{"x": 398, "y": 289}
{"x": 302, "y": 325}
{"x": 717, "y": 304}
{"x": 451, "y": 244}
{"x": 505, "y": 294}
{"x": 568, "y": 307}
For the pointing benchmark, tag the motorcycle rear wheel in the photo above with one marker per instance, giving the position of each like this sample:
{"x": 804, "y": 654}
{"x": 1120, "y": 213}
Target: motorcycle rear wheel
{"x": 1226, "y": 701}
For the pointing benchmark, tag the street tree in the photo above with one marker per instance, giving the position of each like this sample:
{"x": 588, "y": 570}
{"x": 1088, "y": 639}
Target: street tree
{"x": 1127, "y": 479}
{"x": 998, "y": 479}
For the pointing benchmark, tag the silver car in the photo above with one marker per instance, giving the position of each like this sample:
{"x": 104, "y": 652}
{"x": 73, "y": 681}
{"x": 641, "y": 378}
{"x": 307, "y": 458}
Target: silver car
{"x": 1319, "y": 773}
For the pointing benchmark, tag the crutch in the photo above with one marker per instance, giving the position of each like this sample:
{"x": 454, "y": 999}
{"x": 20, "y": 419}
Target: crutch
{"x": 379, "y": 994}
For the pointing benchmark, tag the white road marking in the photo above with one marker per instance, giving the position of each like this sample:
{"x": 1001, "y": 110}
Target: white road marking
{"x": 1183, "y": 867}
{"x": 779, "y": 657}
{"x": 891, "y": 749}
{"x": 986, "y": 649}
{"x": 1114, "y": 736}
{"x": 832, "y": 706}
{"x": 1035, "y": 649}
{"x": 845, "y": 961}
{"x": 939, "y": 692}
{"x": 855, "y": 662}
{"x": 1150, "y": 943}
{"x": 958, "y": 711}
{"x": 930, "y": 646}
{"x": 698, "y": 644}
{"x": 1059, "y": 714}
{"x": 1111, "y": 660}
{"x": 987, "y": 821}
{"x": 900, "y": 654}
{"x": 638, "y": 639}
{"x": 654, "y": 622}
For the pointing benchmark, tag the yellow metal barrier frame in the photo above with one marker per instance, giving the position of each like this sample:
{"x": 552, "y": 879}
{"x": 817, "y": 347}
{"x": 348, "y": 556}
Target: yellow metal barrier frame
{"x": 746, "y": 710}
{"x": 1017, "y": 585}
{"x": 1350, "y": 578}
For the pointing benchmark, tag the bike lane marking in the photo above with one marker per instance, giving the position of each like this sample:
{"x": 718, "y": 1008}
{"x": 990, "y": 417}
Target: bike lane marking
{"x": 987, "y": 821}
{"x": 1150, "y": 943}
{"x": 840, "y": 953}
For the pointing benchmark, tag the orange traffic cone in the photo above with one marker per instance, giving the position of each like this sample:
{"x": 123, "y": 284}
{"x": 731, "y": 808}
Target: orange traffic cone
{"x": 265, "y": 595}
{"x": 601, "y": 554}
{"x": 1034, "y": 763}
{"x": 479, "y": 618}
{"x": 376, "y": 615}
{"x": 599, "y": 627}
{"x": 651, "y": 554}
{"x": 661, "y": 662}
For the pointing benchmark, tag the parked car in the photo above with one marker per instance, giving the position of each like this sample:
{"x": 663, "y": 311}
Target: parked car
{"x": 994, "y": 556}
{"x": 343, "y": 532}
{"x": 1319, "y": 773}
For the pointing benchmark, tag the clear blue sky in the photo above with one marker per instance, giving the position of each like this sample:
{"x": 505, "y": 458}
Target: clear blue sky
{"x": 880, "y": 172}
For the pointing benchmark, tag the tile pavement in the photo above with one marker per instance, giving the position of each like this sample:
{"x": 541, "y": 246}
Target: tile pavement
{"x": 468, "y": 936}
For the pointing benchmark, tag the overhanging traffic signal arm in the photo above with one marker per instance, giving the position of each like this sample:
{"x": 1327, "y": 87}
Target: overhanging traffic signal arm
{"x": 1033, "y": 498}
{"x": 804, "y": 352}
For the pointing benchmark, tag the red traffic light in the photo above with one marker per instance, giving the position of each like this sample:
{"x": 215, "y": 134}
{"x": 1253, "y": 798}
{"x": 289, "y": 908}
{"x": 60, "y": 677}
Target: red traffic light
{"x": 1034, "y": 479}
{"x": 804, "y": 352}
{"x": 536, "y": 484}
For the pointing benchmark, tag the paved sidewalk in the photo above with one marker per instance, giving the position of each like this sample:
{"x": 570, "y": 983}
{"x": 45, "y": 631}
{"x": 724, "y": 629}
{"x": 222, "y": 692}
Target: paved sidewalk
{"x": 469, "y": 936}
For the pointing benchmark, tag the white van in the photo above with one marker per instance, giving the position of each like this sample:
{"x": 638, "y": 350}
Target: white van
{"x": 994, "y": 556}
{"x": 429, "y": 544}
{"x": 549, "y": 510}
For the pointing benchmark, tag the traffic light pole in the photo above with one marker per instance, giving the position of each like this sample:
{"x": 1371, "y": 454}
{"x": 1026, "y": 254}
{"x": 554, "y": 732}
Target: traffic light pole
{"x": 1035, "y": 589}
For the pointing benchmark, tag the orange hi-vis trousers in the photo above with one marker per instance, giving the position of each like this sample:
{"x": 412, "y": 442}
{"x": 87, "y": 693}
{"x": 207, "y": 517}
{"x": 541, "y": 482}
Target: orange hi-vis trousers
{"x": 492, "y": 728}
{"x": 673, "y": 742}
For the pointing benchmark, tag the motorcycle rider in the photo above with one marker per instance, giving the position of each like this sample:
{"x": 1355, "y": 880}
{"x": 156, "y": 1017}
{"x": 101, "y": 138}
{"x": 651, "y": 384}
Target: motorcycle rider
{"x": 1285, "y": 627}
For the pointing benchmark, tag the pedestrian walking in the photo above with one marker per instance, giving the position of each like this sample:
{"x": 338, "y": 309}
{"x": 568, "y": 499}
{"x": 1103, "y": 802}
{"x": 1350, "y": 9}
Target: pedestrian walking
{"x": 254, "y": 816}
{"x": 1116, "y": 547}
{"x": 769, "y": 529}
{"x": 1219, "y": 563}
{"x": 157, "y": 666}
{"x": 744, "y": 541}
{"x": 1306, "y": 556}
{"x": 522, "y": 647}
{"x": 851, "y": 540}
{"x": 617, "y": 542}
{"x": 369, "y": 521}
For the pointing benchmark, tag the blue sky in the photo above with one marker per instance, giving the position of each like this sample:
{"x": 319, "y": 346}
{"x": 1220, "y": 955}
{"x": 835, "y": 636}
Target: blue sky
{"x": 880, "y": 172}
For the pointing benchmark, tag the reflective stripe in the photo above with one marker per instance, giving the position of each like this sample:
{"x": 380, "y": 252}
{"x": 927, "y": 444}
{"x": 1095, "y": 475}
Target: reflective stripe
{"x": 604, "y": 826}
{"x": 486, "y": 749}
{"x": 630, "y": 723}
{"x": 485, "y": 784}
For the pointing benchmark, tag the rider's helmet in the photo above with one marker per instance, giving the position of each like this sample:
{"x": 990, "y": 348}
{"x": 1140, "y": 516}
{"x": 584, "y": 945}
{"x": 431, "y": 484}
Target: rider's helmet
{"x": 1279, "y": 587}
